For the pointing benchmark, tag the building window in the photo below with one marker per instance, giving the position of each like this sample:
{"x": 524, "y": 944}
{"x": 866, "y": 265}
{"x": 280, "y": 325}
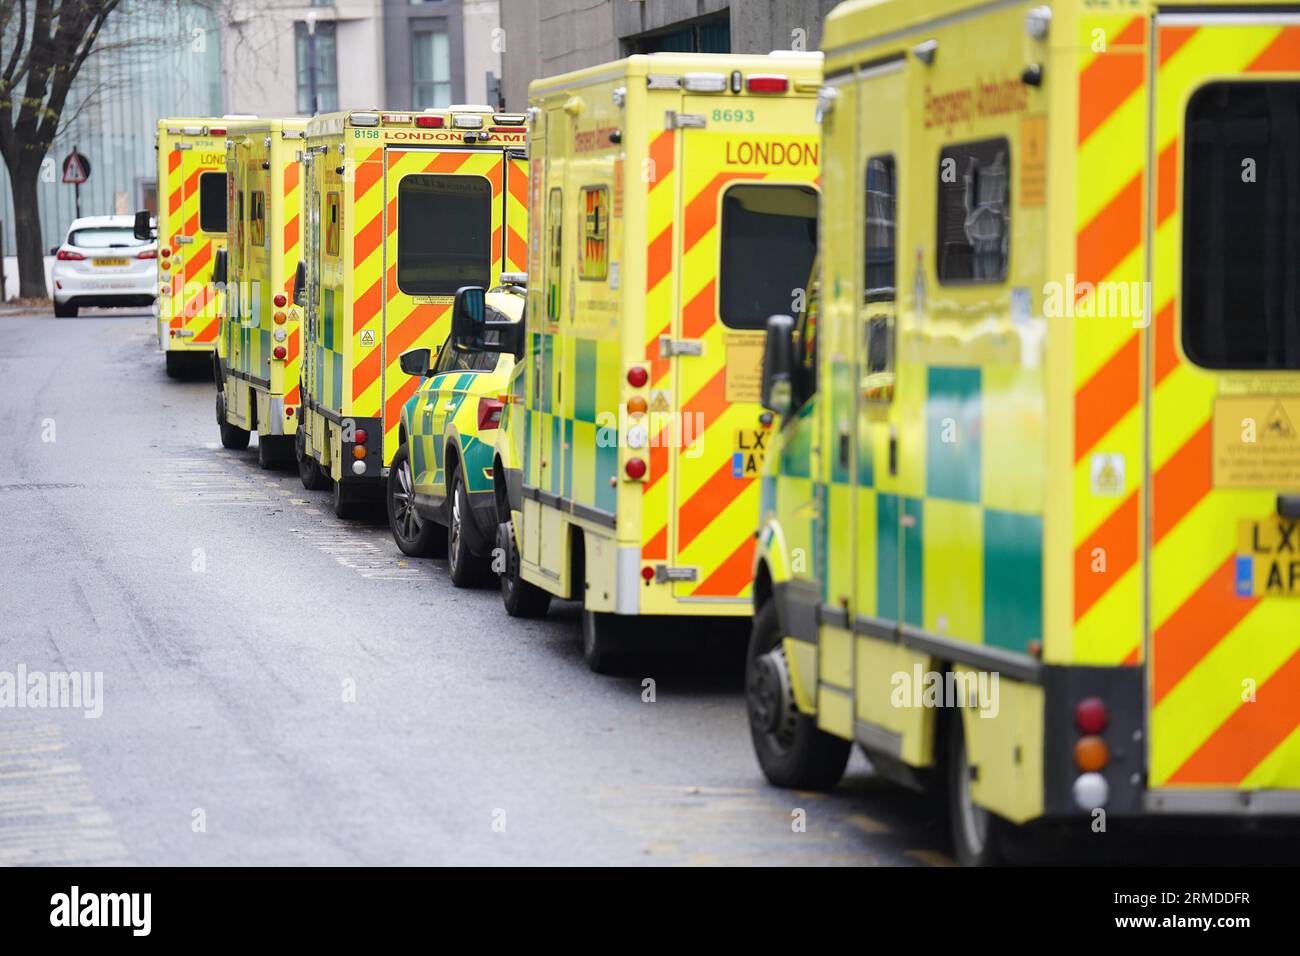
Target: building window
{"x": 327, "y": 68}
{"x": 1241, "y": 270}
{"x": 705, "y": 36}
{"x": 430, "y": 69}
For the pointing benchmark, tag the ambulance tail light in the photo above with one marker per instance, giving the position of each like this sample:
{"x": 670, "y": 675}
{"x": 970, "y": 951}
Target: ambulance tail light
{"x": 280, "y": 300}
{"x": 360, "y": 436}
{"x": 67, "y": 255}
{"x": 767, "y": 83}
{"x": 279, "y": 352}
{"x": 216, "y": 131}
{"x": 1091, "y": 754}
{"x": 635, "y": 468}
{"x": 1091, "y": 715}
{"x": 489, "y": 413}
{"x": 705, "y": 82}
{"x": 148, "y": 254}
{"x": 429, "y": 122}
{"x": 637, "y": 376}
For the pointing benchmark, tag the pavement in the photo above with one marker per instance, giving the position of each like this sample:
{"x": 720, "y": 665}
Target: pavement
{"x": 282, "y": 687}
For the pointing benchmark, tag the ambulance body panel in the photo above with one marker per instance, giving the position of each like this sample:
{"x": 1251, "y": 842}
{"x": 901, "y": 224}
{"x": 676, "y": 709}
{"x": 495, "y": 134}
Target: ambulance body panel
{"x": 191, "y": 230}
{"x": 402, "y": 209}
{"x": 1024, "y": 463}
{"x": 261, "y": 336}
{"x": 674, "y": 207}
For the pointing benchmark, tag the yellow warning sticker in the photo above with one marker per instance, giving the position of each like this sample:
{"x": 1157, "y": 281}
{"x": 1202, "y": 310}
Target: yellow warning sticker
{"x": 1033, "y": 160}
{"x": 744, "y": 366}
{"x": 1256, "y": 442}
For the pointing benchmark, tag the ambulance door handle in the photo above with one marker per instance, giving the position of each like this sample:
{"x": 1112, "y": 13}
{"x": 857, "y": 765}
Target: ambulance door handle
{"x": 1288, "y": 506}
{"x": 893, "y": 451}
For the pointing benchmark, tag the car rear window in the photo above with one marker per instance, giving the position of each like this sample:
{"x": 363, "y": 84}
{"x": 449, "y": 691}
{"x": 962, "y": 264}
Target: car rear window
{"x": 212, "y": 202}
{"x": 1241, "y": 226}
{"x": 444, "y": 233}
{"x": 769, "y": 241}
{"x": 103, "y": 237}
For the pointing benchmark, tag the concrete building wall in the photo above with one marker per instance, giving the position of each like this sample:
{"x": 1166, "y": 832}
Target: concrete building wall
{"x": 150, "y": 61}
{"x": 484, "y": 43}
{"x": 546, "y": 37}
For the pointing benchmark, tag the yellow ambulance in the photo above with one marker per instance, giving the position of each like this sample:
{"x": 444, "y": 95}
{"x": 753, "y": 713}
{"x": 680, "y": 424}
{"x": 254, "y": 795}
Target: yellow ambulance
{"x": 191, "y": 229}
{"x": 1031, "y": 510}
{"x": 402, "y": 210}
{"x": 674, "y": 208}
{"x": 260, "y": 334}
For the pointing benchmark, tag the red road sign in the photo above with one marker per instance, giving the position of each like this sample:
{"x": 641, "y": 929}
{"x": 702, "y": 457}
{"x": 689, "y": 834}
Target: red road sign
{"x": 76, "y": 169}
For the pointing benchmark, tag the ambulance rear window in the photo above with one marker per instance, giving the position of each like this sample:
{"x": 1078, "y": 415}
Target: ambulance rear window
{"x": 212, "y": 202}
{"x": 444, "y": 233}
{"x": 974, "y": 229}
{"x": 1241, "y": 227}
{"x": 769, "y": 241}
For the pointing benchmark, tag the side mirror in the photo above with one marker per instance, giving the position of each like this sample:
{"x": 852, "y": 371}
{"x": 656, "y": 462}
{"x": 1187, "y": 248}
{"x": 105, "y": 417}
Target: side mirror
{"x": 475, "y": 327}
{"x": 300, "y": 285}
{"x": 220, "y": 267}
{"x": 143, "y": 228}
{"x": 416, "y": 362}
{"x": 778, "y": 361}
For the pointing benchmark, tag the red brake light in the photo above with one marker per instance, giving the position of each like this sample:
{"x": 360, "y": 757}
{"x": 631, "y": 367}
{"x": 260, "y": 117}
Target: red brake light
{"x": 148, "y": 254}
{"x": 489, "y": 412}
{"x": 280, "y": 301}
{"x": 635, "y": 468}
{"x": 217, "y": 131}
{"x": 279, "y": 352}
{"x": 429, "y": 122}
{"x": 637, "y": 376}
{"x": 767, "y": 83}
{"x": 360, "y": 436}
{"x": 1091, "y": 715}
{"x": 67, "y": 255}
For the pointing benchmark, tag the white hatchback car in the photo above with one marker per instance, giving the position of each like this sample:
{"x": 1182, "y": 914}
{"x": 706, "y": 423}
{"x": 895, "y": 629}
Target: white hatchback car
{"x": 101, "y": 262}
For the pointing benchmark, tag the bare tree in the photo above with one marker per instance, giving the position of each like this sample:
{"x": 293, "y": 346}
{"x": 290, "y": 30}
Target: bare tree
{"x": 44, "y": 44}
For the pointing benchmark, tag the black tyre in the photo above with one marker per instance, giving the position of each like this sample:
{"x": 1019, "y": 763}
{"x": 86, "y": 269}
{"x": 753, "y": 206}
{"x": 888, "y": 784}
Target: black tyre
{"x": 273, "y": 451}
{"x": 792, "y": 750}
{"x": 979, "y": 837}
{"x": 231, "y": 435}
{"x": 65, "y": 310}
{"x": 414, "y": 535}
{"x": 607, "y": 641}
{"x": 309, "y": 472}
{"x": 466, "y": 568}
{"x": 521, "y": 598}
{"x": 346, "y": 503}
{"x": 175, "y": 364}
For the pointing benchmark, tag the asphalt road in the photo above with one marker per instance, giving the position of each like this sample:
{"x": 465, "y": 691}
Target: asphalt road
{"x": 281, "y": 687}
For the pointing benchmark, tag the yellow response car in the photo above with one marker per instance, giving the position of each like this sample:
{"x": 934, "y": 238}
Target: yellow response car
{"x": 440, "y": 498}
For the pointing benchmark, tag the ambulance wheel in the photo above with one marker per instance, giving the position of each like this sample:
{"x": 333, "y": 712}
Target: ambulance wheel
{"x": 414, "y": 535}
{"x": 64, "y": 310}
{"x": 604, "y": 641}
{"x": 978, "y": 836}
{"x": 466, "y": 568}
{"x": 346, "y": 504}
{"x": 309, "y": 472}
{"x": 175, "y": 363}
{"x": 521, "y": 598}
{"x": 231, "y": 435}
{"x": 792, "y": 750}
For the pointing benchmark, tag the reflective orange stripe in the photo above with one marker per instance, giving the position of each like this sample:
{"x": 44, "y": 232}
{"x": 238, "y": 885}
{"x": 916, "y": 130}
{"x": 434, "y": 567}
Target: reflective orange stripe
{"x": 1111, "y": 79}
{"x": 1254, "y": 731}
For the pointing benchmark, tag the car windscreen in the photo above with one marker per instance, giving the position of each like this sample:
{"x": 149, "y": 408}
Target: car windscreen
{"x": 444, "y": 233}
{"x": 104, "y": 237}
{"x": 769, "y": 239}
